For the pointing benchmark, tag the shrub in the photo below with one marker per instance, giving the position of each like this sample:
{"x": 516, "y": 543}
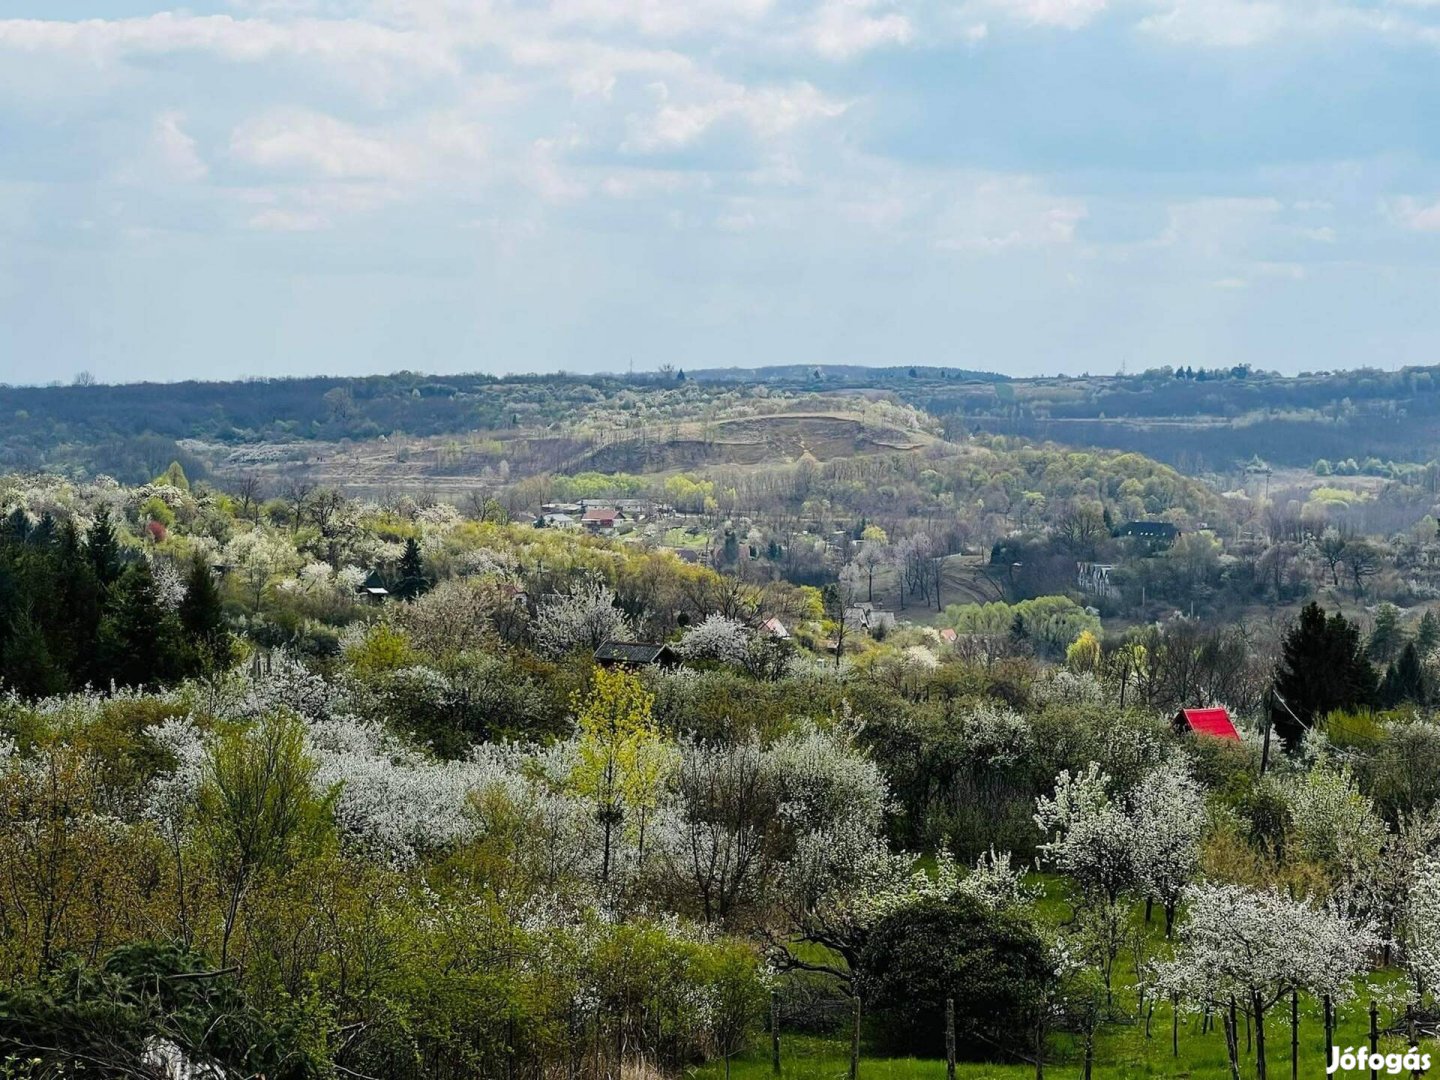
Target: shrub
{"x": 991, "y": 963}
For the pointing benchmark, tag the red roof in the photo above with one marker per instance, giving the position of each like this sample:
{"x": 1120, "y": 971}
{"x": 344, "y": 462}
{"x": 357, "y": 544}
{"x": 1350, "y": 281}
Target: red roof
{"x": 601, "y": 514}
{"x": 1214, "y": 722}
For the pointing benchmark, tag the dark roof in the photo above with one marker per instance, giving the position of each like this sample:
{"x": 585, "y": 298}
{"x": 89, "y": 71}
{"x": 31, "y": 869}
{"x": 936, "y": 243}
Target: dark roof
{"x": 1214, "y": 722}
{"x": 1154, "y": 530}
{"x": 634, "y": 652}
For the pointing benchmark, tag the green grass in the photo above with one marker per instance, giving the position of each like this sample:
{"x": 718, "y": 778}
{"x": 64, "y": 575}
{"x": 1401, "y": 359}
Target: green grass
{"x": 1122, "y": 1053}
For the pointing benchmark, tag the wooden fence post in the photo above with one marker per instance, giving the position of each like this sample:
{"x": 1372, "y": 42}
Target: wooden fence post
{"x": 1329, "y": 1027}
{"x": 855, "y": 1042}
{"x": 950, "y": 1039}
{"x": 1374, "y": 1038}
{"x": 775, "y": 1031}
{"x": 1295, "y": 1036}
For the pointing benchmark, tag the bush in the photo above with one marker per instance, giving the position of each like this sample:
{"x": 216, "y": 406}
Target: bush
{"x": 991, "y": 963}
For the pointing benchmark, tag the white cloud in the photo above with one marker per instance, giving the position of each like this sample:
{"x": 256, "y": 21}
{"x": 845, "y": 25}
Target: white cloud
{"x": 1068, "y": 14}
{"x": 662, "y": 18}
{"x": 169, "y": 156}
{"x": 842, "y": 29}
{"x": 278, "y": 220}
{"x": 1218, "y": 23}
{"x": 311, "y": 143}
{"x": 767, "y": 112}
{"x": 363, "y": 50}
{"x": 993, "y": 213}
{"x": 1416, "y": 214}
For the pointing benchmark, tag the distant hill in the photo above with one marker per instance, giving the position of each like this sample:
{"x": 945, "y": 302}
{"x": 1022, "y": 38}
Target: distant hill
{"x": 1201, "y": 420}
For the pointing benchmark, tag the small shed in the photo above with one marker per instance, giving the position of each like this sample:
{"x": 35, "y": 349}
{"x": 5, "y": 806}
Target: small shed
{"x": 373, "y": 588}
{"x": 1213, "y": 722}
{"x": 774, "y": 628}
{"x": 635, "y": 654}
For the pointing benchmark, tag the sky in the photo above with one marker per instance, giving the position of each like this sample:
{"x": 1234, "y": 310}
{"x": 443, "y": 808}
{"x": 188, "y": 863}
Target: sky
{"x": 247, "y": 188}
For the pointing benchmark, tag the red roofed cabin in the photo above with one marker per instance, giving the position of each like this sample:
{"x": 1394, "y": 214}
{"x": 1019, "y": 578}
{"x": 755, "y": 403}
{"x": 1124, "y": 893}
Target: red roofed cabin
{"x": 1213, "y": 722}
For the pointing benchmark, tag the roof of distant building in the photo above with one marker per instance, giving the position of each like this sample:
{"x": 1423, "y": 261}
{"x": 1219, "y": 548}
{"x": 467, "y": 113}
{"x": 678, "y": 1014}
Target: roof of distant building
{"x": 634, "y": 652}
{"x": 1214, "y": 722}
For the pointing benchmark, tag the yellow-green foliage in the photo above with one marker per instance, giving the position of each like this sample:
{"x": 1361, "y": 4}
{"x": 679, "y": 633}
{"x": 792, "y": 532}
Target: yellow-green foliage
{"x": 383, "y": 649}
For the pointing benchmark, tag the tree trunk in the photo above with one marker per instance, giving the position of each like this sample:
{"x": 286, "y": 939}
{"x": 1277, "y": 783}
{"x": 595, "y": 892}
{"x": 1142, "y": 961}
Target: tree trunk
{"x": 1232, "y": 1042}
{"x": 1295, "y": 1035}
{"x": 1259, "y": 1035}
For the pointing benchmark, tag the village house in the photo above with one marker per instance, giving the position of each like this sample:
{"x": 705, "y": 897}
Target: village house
{"x": 602, "y": 518}
{"x": 635, "y": 654}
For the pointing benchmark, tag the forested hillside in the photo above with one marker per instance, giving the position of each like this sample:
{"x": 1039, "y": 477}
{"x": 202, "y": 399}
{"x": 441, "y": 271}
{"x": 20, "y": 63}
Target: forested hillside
{"x": 1213, "y": 421}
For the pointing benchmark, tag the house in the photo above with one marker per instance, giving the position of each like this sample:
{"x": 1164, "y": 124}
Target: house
{"x": 1160, "y": 533}
{"x": 372, "y": 589}
{"x": 775, "y": 629}
{"x": 1213, "y": 722}
{"x": 1094, "y": 578}
{"x": 635, "y": 654}
{"x": 601, "y": 518}
{"x": 949, "y": 636}
{"x": 868, "y": 617}
{"x": 556, "y": 521}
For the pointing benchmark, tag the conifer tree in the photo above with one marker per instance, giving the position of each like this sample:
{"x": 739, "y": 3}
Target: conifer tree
{"x": 412, "y": 571}
{"x": 139, "y": 640}
{"x": 1322, "y": 668}
{"x": 104, "y": 549}
{"x": 202, "y": 617}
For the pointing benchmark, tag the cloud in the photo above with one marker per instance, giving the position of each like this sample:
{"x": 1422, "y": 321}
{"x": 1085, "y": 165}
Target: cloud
{"x": 767, "y": 112}
{"x": 312, "y": 144}
{"x": 993, "y": 213}
{"x": 1415, "y": 214}
{"x": 361, "y": 49}
{"x": 1067, "y": 14}
{"x": 842, "y": 29}
{"x": 1218, "y": 23}
{"x": 277, "y": 220}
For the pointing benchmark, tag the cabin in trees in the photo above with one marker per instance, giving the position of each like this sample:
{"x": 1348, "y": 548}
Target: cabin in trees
{"x": 1159, "y": 534}
{"x": 1213, "y": 722}
{"x": 373, "y": 589}
{"x": 635, "y": 654}
{"x": 774, "y": 629}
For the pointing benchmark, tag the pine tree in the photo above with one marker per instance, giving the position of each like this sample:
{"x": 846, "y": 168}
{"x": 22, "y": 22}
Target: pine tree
{"x": 104, "y": 549}
{"x": 16, "y": 527}
{"x": 44, "y": 532}
{"x": 1322, "y": 668}
{"x": 412, "y": 581}
{"x": 1387, "y": 636}
{"x": 79, "y": 597}
{"x": 1427, "y": 634}
{"x": 26, "y": 661}
{"x": 139, "y": 642}
{"x": 1404, "y": 682}
{"x": 202, "y": 617}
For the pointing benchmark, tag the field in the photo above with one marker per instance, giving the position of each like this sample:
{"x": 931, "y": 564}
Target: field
{"x": 1123, "y": 1054}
